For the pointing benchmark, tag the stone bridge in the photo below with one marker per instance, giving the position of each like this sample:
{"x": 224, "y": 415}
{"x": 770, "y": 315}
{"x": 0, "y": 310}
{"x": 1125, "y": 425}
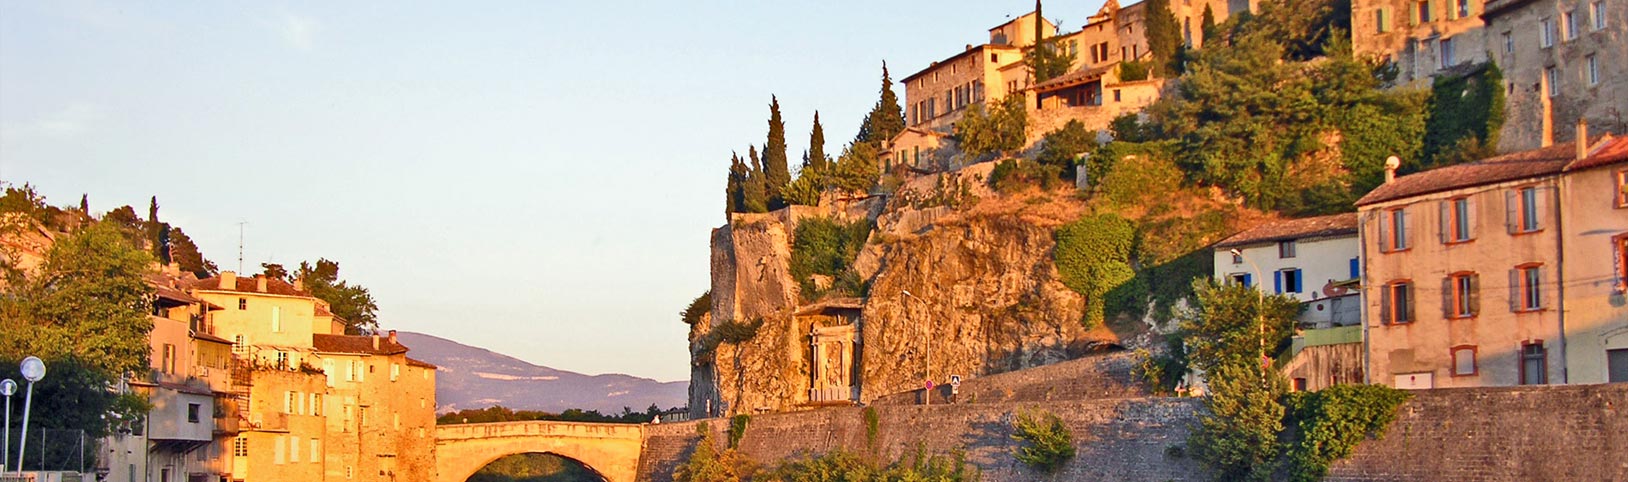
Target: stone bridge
{"x": 610, "y": 449}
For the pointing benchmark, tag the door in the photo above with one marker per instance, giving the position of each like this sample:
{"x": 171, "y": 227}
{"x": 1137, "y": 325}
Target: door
{"x": 1617, "y": 365}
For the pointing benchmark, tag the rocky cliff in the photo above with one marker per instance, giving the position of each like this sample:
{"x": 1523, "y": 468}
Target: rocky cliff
{"x": 985, "y": 297}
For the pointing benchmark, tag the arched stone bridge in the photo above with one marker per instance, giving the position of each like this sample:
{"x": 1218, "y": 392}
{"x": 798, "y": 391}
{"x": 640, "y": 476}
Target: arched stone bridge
{"x": 610, "y": 449}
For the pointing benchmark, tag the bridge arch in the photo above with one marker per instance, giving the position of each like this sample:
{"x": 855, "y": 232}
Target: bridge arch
{"x": 610, "y": 449}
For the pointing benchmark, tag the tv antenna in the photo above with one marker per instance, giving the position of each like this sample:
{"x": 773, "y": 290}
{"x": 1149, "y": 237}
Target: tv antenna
{"x": 240, "y": 245}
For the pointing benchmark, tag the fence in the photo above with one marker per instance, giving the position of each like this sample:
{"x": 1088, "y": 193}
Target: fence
{"x": 53, "y": 450}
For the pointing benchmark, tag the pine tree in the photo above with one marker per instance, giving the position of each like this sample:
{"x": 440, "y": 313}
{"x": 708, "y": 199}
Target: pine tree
{"x": 777, "y": 174}
{"x": 886, "y": 119}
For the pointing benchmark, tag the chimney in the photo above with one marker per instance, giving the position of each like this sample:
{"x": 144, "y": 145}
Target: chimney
{"x": 1391, "y": 163}
{"x": 1547, "y": 125}
{"x": 1582, "y": 138}
{"x": 228, "y": 280}
{"x": 392, "y": 337}
{"x": 375, "y": 342}
{"x": 260, "y": 283}
{"x": 299, "y": 284}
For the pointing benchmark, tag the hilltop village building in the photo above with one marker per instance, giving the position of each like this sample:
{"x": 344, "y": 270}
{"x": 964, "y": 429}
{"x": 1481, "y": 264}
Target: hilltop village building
{"x": 1563, "y": 62}
{"x": 1314, "y": 260}
{"x": 1423, "y": 38}
{"x": 1504, "y": 271}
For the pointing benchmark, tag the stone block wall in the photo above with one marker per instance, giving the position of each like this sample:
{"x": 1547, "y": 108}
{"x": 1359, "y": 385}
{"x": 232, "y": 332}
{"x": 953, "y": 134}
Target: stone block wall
{"x": 1094, "y": 377}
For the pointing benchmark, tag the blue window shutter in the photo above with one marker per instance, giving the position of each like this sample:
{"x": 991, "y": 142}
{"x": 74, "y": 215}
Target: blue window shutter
{"x": 1356, "y": 271}
{"x": 1277, "y": 281}
{"x": 1249, "y": 280}
{"x": 1299, "y": 280}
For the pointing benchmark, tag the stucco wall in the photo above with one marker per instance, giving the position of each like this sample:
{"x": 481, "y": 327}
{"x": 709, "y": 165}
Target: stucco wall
{"x": 1596, "y": 307}
{"x": 1321, "y": 260}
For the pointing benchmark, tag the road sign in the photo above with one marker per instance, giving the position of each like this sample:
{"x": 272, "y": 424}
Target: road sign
{"x": 955, "y": 381}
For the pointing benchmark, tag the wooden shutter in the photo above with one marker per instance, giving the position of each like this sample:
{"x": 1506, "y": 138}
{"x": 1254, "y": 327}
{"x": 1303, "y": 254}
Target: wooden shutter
{"x": 1384, "y": 231}
{"x": 1515, "y": 290}
{"x": 1470, "y": 217}
{"x": 1404, "y": 238}
{"x": 1277, "y": 281}
{"x": 1356, "y": 269}
{"x": 1411, "y": 297}
{"x": 1542, "y": 196}
{"x": 1413, "y": 13}
{"x": 1446, "y": 224}
{"x": 1385, "y": 304}
{"x": 1512, "y": 211}
{"x": 1299, "y": 281}
{"x": 1447, "y": 308}
{"x": 1475, "y": 294}
{"x": 1537, "y": 288}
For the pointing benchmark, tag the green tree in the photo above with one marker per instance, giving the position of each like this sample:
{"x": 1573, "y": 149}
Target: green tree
{"x": 350, "y": 302}
{"x": 735, "y": 188}
{"x": 756, "y": 187}
{"x": 1163, "y": 34}
{"x": 816, "y": 158}
{"x": 857, "y": 169}
{"x": 1464, "y": 117}
{"x": 1227, "y": 333}
{"x": 1000, "y": 130}
{"x": 88, "y": 301}
{"x": 1047, "y": 60}
{"x": 1064, "y": 146}
{"x": 886, "y": 118}
{"x": 775, "y": 169}
{"x": 707, "y": 464}
{"x": 186, "y": 254}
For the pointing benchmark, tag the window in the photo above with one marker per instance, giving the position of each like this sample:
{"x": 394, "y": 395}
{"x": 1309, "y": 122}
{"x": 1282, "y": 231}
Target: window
{"x": 240, "y": 447}
{"x": 1552, "y": 77}
{"x": 1592, "y": 71}
{"x": 242, "y": 304}
{"x": 277, "y": 450}
{"x": 1424, "y": 11}
{"x": 1509, "y": 43}
{"x": 1620, "y": 242}
{"x": 349, "y": 471}
{"x": 168, "y": 365}
{"x": 240, "y": 344}
{"x": 1457, "y": 221}
{"x": 1396, "y": 302}
{"x": 1461, "y": 295}
{"x": 1393, "y": 230}
{"x": 1463, "y": 8}
{"x": 1534, "y": 363}
{"x": 316, "y": 450}
{"x": 1241, "y": 279}
{"x": 1597, "y": 12}
{"x": 276, "y": 319}
{"x": 1569, "y": 19}
{"x": 1463, "y": 360}
{"x": 316, "y": 405}
{"x": 1237, "y": 258}
{"x": 1526, "y": 288}
{"x": 192, "y": 412}
{"x": 1382, "y": 20}
{"x": 1286, "y": 249}
{"x": 1356, "y": 268}
{"x": 1524, "y": 210}
{"x": 1116, "y": 95}
{"x": 1546, "y": 32}
{"x": 994, "y": 58}
{"x": 1616, "y": 365}
{"x": 1287, "y": 281}
{"x": 1446, "y": 53}
{"x": 282, "y": 360}
{"x": 290, "y": 400}
{"x": 1299, "y": 385}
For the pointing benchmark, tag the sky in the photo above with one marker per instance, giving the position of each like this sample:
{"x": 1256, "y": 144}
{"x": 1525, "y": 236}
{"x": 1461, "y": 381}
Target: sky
{"x": 536, "y": 178}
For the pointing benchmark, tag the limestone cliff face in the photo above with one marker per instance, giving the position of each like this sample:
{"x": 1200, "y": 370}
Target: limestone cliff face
{"x": 987, "y": 299}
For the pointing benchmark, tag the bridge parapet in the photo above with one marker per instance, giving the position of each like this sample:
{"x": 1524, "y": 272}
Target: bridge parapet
{"x": 536, "y": 429}
{"x": 611, "y": 449}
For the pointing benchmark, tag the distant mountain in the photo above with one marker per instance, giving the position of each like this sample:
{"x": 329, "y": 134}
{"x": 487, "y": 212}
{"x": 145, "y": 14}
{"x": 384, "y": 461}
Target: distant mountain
{"x": 471, "y": 377}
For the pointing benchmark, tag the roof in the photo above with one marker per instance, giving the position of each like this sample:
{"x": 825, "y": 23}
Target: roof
{"x": 248, "y": 284}
{"x": 1613, "y": 150}
{"x": 209, "y": 337}
{"x": 362, "y": 344}
{"x": 1020, "y": 17}
{"x": 968, "y": 51}
{"x": 1495, "y": 8}
{"x": 166, "y": 287}
{"x": 419, "y": 363}
{"x": 1343, "y": 224}
{"x": 1074, "y": 78}
{"x": 1508, "y": 167}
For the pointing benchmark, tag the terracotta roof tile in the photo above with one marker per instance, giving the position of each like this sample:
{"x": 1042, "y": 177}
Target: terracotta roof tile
{"x": 421, "y": 364}
{"x": 1611, "y": 151}
{"x": 1074, "y": 78}
{"x": 249, "y": 284}
{"x": 1507, "y": 167}
{"x": 1321, "y": 226}
{"x": 362, "y": 344}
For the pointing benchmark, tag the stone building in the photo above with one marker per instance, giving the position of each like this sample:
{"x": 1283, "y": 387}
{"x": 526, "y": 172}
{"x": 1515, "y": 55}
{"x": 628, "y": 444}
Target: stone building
{"x": 1563, "y": 62}
{"x": 1472, "y": 278}
{"x": 1422, "y": 37}
{"x": 936, "y": 96}
{"x": 383, "y": 427}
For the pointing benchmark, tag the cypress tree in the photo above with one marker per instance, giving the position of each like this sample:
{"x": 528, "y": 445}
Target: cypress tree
{"x": 84, "y": 204}
{"x": 1163, "y": 34}
{"x": 816, "y": 146}
{"x": 1209, "y": 32}
{"x": 756, "y": 197}
{"x": 886, "y": 119}
{"x": 776, "y": 172}
{"x": 735, "y": 189}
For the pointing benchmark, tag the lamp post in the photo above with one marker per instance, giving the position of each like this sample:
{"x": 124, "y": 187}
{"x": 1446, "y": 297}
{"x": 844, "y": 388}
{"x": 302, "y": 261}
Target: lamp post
{"x": 926, "y": 344}
{"x": 33, "y": 371}
{"x": 1260, "y": 321}
{"x": 7, "y": 387}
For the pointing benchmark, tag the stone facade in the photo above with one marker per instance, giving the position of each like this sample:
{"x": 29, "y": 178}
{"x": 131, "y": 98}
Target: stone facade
{"x": 1422, "y": 37}
{"x": 1563, "y": 61}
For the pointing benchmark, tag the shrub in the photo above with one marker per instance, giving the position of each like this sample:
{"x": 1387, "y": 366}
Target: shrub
{"x": 1064, "y": 147}
{"x": 698, "y": 308}
{"x": 842, "y": 465}
{"x": 737, "y": 428}
{"x": 1329, "y": 424}
{"x": 872, "y": 427}
{"x": 1013, "y": 175}
{"x": 822, "y": 246}
{"x": 1048, "y": 443}
{"x": 1133, "y": 71}
{"x": 1001, "y": 129}
{"x": 1093, "y": 257}
{"x": 707, "y": 464}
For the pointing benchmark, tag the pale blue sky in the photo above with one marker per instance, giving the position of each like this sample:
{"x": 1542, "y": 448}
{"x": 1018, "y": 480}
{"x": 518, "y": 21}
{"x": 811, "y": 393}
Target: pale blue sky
{"x": 537, "y": 178}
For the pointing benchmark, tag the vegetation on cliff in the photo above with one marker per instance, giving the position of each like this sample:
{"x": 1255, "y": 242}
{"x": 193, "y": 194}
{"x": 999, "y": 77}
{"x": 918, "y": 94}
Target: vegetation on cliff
{"x": 999, "y": 128}
{"x": 1047, "y": 443}
{"x": 1093, "y": 256}
{"x": 826, "y": 248}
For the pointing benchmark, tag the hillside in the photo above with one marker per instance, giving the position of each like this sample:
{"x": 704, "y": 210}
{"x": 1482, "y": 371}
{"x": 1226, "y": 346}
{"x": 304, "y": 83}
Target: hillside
{"x": 471, "y": 377}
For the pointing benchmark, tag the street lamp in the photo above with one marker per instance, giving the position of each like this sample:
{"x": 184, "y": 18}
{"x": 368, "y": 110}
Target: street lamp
{"x": 7, "y": 387}
{"x": 927, "y": 367}
{"x": 1260, "y": 321}
{"x": 33, "y": 371}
